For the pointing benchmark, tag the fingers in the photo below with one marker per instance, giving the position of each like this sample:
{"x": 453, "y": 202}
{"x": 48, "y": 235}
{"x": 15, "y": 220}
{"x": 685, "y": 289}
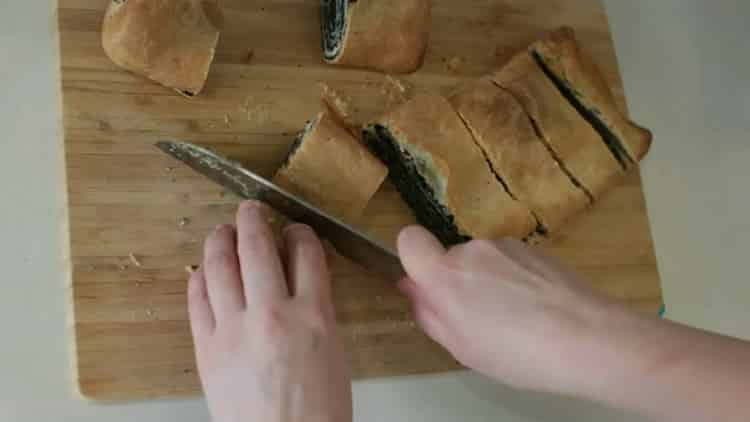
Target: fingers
{"x": 420, "y": 252}
{"x": 222, "y": 273}
{"x": 199, "y": 307}
{"x": 260, "y": 263}
{"x": 307, "y": 270}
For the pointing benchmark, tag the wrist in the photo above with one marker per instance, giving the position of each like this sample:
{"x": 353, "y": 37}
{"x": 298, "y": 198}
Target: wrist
{"x": 615, "y": 355}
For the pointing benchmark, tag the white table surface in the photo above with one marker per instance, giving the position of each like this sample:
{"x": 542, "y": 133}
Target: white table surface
{"x": 687, "y": 74}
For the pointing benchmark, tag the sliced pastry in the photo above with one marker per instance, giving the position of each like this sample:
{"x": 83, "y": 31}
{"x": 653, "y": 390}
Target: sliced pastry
{"x": 580, "y": 80}
{"x": 574, "y": 143}
{"x": 171, "y": 42}
{"x": 386, "y": 35}
{"x": 518, "y": 154}
{"x": 443, "y": 175}
{"x": 331, "y": 169}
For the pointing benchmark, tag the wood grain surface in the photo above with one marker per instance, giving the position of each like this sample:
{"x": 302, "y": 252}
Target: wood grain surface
{"x": 137, "y": 218}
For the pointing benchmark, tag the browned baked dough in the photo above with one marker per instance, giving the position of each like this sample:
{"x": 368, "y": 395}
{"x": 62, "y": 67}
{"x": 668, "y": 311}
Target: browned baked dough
{"x": 560, "y": 52}
{"x": 504, "y": 131}
{"x": 573, "y": 140}
{"x": 332, "y": 170}
{"x": 431, "y": 135}
{"x": 169, "y": 41}
{"x": 386, "y": 35}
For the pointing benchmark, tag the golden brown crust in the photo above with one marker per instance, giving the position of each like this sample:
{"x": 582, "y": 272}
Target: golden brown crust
{"x": 463, "y": 181}
{"x": 561, "y": 53}
{"x": 575, "y": 143}
{"x": 386, "y": 35}
{"x": 169, "y": 41}
{"x": 332, "y": 170}
{"x": 339, "y": 108}
{"x": 504, "y": 131}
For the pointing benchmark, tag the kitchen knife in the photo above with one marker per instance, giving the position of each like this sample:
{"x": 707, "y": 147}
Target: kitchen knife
{"x": 233, "y": 176}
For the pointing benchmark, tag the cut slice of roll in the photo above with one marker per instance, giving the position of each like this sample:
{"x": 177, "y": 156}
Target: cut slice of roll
{"x": 443, "y": 175}
{"x": 580, "y": 80}
{"x": 171, "y": 42}
{"x": 386, "y": 35}
{"x": 573, "y": 141}
{"x": 518, "y": 154}
{"x": 331, "y": 169}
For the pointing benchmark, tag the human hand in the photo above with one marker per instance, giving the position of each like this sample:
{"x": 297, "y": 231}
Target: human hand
{"x": 264, "y": 327}
{"x": 507, "y": 312}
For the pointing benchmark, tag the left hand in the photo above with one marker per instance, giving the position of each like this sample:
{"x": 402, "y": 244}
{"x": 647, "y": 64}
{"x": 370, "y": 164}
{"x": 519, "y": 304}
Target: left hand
{"x": 264, "y": 327}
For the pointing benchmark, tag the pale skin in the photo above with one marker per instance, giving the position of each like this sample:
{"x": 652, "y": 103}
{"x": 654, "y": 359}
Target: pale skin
{"x": 266, "y": 345}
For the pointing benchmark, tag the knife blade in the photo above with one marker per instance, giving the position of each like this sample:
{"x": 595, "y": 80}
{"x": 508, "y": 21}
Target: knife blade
{"x": 231, "y": 175}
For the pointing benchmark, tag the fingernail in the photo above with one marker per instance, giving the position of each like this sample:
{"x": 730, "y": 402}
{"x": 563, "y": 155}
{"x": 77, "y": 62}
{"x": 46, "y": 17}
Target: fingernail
{"x": 223, "y": 227}
{"x": 298, "y": 227}
{"x": 252, "y": 205}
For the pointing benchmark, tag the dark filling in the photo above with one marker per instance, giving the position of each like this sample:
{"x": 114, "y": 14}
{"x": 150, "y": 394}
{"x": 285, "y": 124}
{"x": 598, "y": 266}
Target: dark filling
{"x": 591, "y": 116}
{"x": 332, "y": 26}
{"x": 297, "y": 143}
{"x": 418, "y": 194}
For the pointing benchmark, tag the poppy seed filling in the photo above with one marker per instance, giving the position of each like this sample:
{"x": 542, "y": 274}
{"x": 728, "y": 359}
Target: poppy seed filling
{"x": 333, "y": 26}
{"x": 592, "y": 116}
{"x": 404, "y": 170}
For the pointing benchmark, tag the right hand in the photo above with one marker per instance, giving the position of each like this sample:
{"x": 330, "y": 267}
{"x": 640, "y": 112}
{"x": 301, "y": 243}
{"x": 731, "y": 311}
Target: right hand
{"x": 506, "y": 311}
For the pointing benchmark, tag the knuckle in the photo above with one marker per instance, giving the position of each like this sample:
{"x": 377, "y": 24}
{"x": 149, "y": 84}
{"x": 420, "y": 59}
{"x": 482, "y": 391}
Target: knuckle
{"x": 221, "y": 258}
{"x": 271, "y": 321}
{"x": 221, "y": 233}
{"x": 300, "y": 230}
{"x": 319, "y": 316}
{"x": 258, "y": 240}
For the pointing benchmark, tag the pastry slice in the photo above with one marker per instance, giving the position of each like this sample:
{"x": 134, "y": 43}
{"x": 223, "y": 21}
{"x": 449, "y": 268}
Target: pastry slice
{"x": 581, "y": 81}
{"x": 572, "y": 140}
{"x": 171, "y": 42}
{"x": 329, "y": 168}
{"x": 518, "y": 155}
{"x": 442, "y": 174}
{"x": 386, "y": 35}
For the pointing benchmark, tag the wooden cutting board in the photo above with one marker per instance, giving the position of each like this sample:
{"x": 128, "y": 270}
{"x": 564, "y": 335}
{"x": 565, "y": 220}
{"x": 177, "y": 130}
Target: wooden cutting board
{"x": 137, "y": 218}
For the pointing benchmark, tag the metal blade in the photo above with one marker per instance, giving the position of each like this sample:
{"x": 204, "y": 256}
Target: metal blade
{"x": 233, "y": 176}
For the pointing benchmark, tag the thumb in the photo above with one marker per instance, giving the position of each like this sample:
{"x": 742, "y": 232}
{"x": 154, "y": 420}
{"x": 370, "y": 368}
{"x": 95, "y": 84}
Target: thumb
{"x": 420, "y": 252}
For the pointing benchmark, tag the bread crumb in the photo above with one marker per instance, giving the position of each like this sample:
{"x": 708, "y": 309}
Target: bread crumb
{"x": 454, "y": 64}
{"x": 338, "y": 105}
{"x": 396, "y": 91}
{"x": 191, "y": 268}
{"x": 184, "y": 221}
{"x": 249, "y": 56}
{"x": 169, "y": 169}
{"x": 227, "y": 121}
{"x": 134, "y": 260}
{"x": 122, "y": 267}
